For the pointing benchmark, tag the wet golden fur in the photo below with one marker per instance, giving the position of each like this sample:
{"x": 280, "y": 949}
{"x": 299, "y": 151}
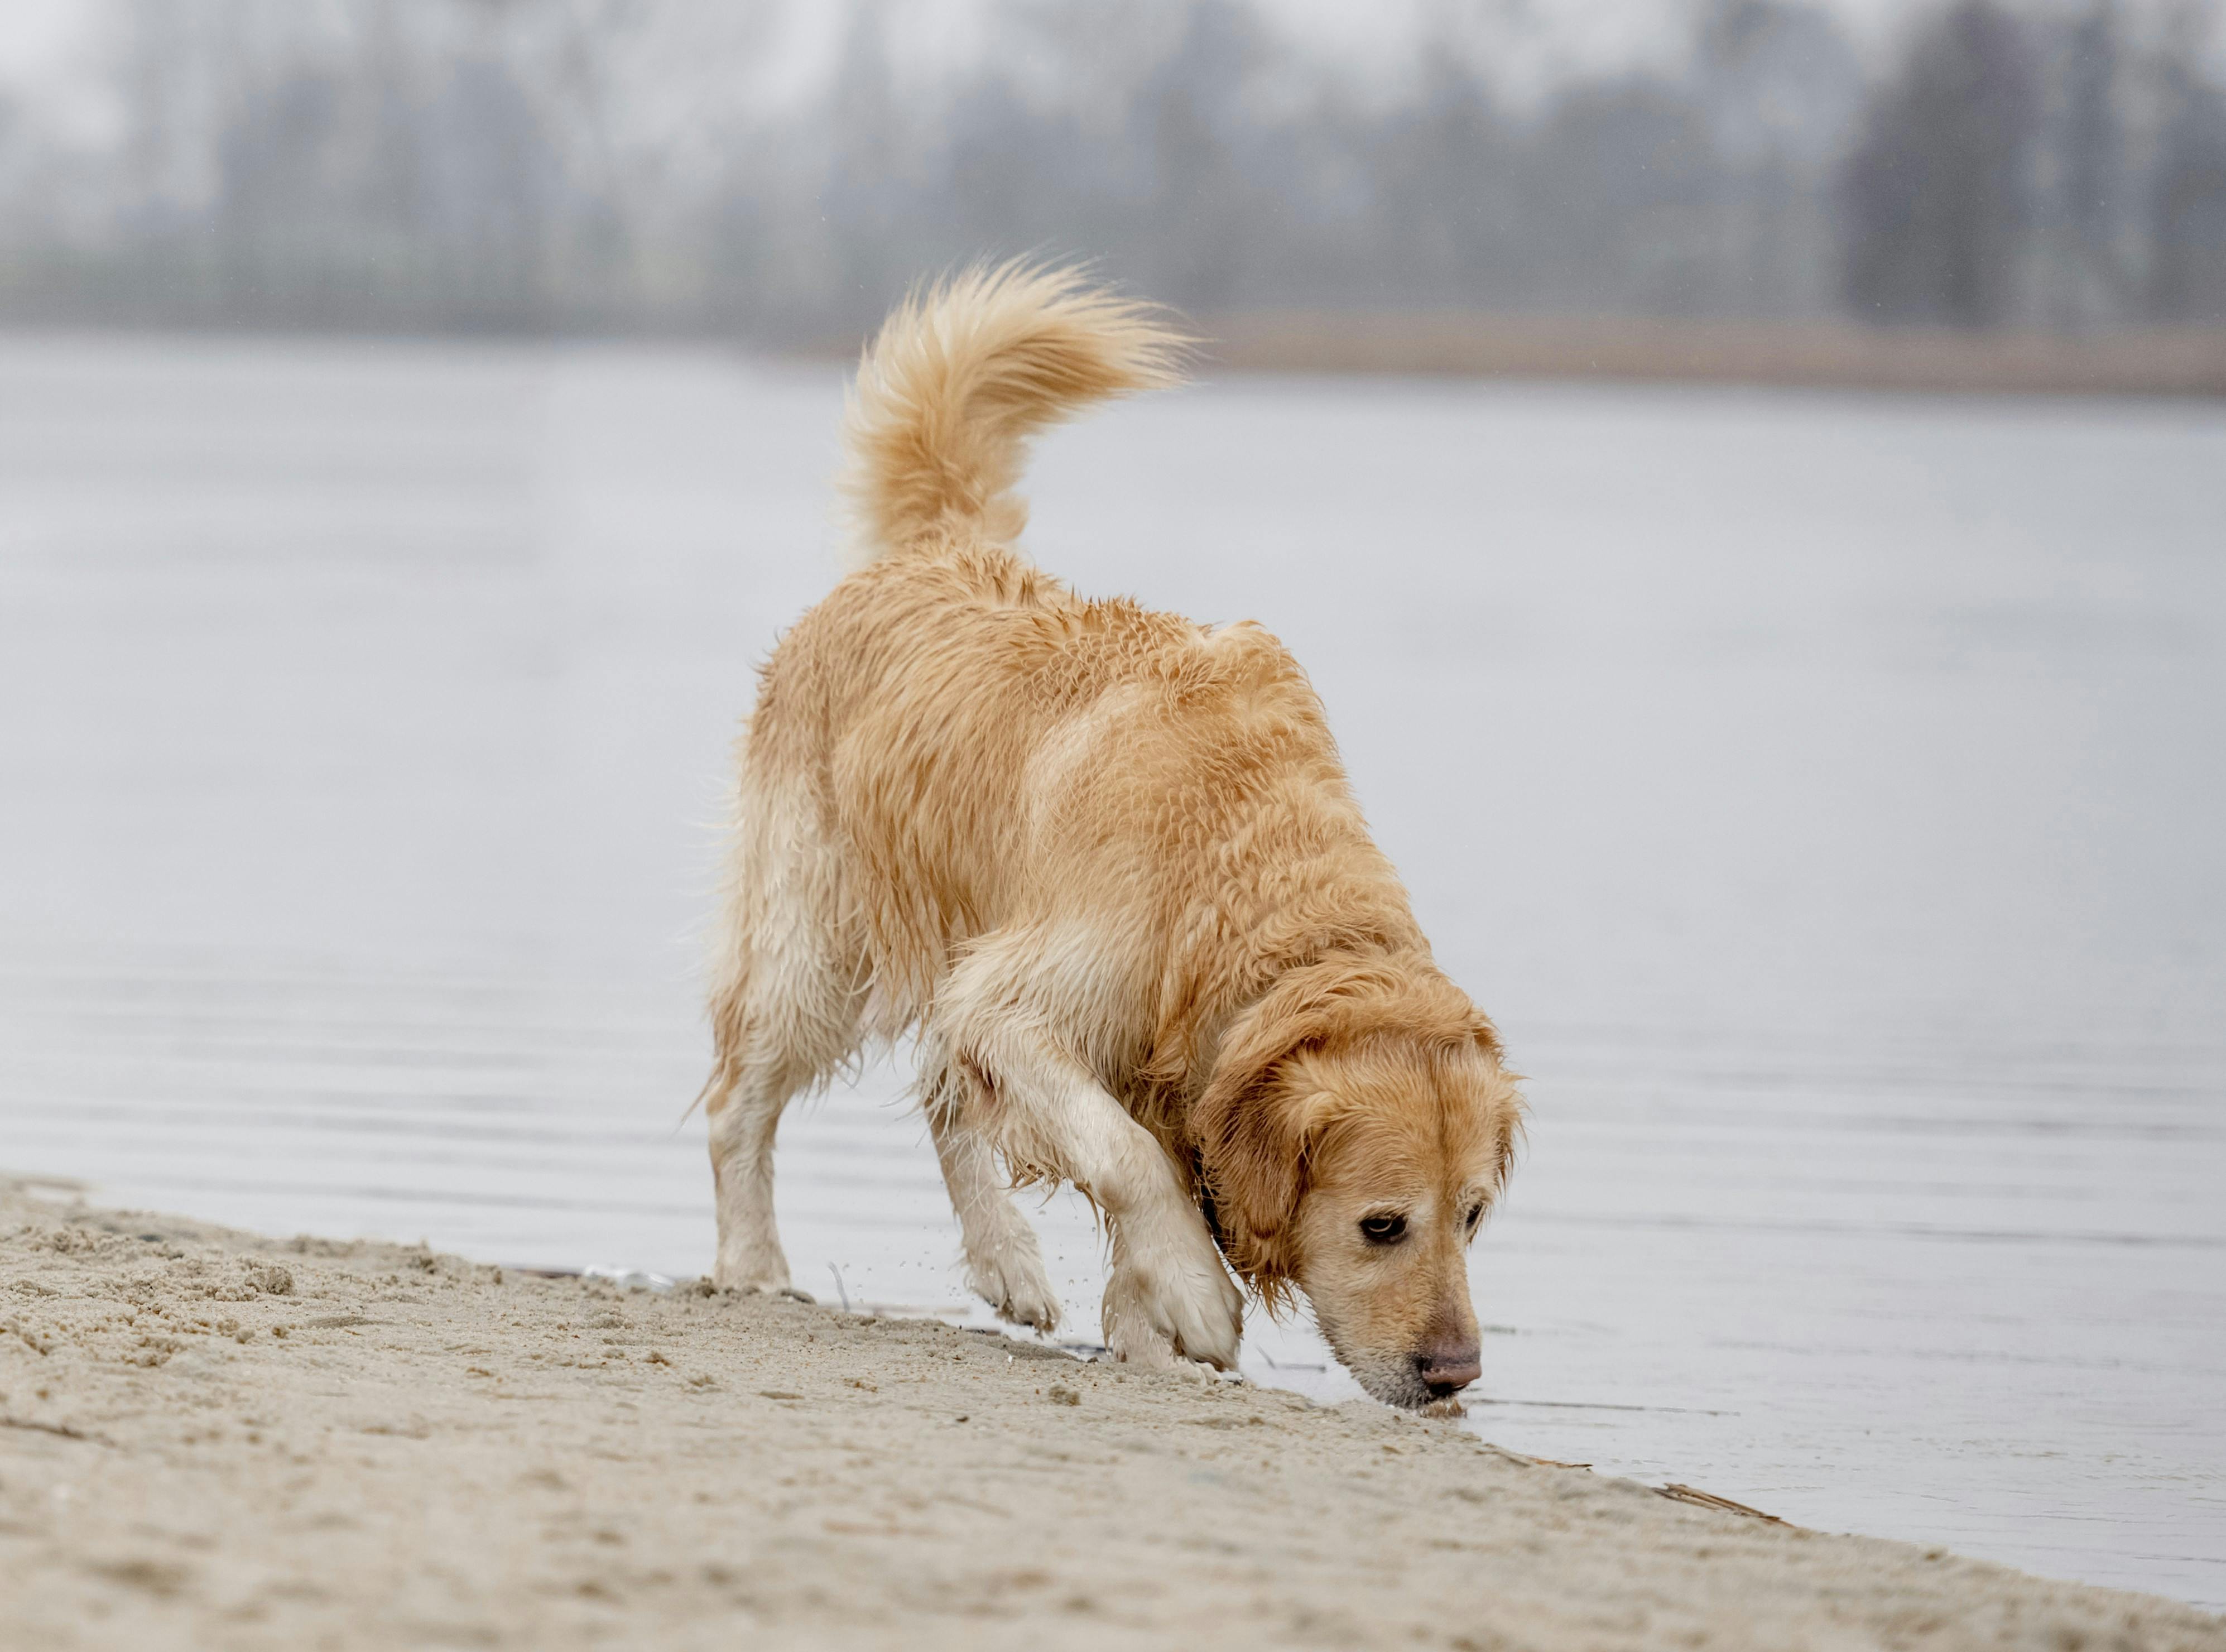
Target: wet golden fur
{"x": 1088, "y": 851}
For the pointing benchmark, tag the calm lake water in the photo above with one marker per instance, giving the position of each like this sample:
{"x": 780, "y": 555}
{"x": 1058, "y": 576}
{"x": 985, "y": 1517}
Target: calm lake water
{"x": 1826, "y": 794}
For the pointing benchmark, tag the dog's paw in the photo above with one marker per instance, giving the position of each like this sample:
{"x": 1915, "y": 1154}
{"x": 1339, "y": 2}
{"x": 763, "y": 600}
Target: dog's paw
{"x": 786, "y": 1292}
{"x": 754, "y": 1276}
{"x": 1004, "y": 1264}
{"x": 1130, "y": 1338}
{"x": 1017, "y": 1288}
{"x": 1133, "y": 1341}
{"x": 1170, "y": 1298}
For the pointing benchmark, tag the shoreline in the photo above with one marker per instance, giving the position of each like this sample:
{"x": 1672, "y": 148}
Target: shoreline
{"x": 208, "y": 1437}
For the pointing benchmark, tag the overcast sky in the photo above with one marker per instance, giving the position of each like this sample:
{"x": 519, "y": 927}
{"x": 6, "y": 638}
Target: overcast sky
{"x": 37, "y": 36}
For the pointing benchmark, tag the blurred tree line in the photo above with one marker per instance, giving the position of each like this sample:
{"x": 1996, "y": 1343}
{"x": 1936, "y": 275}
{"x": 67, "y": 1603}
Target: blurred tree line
{"x": 541, "y": 164}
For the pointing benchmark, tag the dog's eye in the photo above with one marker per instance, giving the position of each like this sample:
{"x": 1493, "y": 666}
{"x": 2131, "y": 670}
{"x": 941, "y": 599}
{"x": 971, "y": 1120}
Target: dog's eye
{"x": 1475, "y": 1215}
{"x": 1383, "y": 1230}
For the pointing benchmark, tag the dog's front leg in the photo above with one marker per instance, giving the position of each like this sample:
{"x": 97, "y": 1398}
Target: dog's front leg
{"x": 1170, "y": 1296}
{"x": 1004, "y": 1264}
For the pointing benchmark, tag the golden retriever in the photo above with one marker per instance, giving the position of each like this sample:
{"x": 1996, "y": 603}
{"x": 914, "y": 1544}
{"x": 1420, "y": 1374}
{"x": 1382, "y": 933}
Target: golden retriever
{"x": 1105, "y": 863}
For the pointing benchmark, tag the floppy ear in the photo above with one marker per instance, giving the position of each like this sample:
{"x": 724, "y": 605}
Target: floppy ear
{"x": 1251, "y": 1130}
{"x": 1251, "y": 1145}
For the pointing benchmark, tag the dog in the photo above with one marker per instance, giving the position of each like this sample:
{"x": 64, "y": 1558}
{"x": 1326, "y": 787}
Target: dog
{"x": 1104, "y": 864}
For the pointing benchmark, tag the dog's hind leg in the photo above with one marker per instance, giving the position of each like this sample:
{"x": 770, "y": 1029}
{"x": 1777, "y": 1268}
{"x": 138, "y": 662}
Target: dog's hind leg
{"x": 1004, "y": 1263}
{"x": 743, "y": 1122}
{"x": 784, "y": 1014}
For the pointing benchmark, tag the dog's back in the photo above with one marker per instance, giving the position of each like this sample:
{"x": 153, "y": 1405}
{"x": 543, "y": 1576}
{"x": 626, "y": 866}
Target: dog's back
{"x": 980, "y": 747}
{"x": 894, "y": 722}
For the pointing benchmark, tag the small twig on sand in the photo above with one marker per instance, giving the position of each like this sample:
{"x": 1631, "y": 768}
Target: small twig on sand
{"x": 1709, "y": 1500}
{"x": 62, "y": 1430}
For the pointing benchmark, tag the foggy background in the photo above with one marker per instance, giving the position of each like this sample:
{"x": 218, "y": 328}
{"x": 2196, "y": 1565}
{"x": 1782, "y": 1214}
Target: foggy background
{"x": 779, "y": 171}
{"x": 416, "y": 417}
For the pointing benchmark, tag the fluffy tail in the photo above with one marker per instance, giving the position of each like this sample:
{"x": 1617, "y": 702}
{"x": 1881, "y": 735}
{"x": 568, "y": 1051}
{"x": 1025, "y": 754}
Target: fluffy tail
{"x": 961, "y": 376}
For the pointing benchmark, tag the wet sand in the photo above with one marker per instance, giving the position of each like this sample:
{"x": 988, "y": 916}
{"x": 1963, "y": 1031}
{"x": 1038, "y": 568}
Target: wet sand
{"x": 208, "y": 1438}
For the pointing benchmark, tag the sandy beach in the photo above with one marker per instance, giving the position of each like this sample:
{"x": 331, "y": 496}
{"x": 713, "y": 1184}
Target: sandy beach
{"x": 209, "y": 1438}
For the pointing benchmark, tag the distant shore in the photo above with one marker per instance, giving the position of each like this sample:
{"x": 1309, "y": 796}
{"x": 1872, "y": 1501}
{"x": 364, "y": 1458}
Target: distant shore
{"x": 2187, "y": 362}
{"x": 207, "y": 1437}
{"x": 2182, "y": 361}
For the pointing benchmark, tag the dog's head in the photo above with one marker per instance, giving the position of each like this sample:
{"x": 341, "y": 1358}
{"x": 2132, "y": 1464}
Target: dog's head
{"x": 1355, "y": 1131}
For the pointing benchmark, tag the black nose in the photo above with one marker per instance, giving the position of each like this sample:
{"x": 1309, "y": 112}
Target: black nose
{"x": 1447, "y": 1370}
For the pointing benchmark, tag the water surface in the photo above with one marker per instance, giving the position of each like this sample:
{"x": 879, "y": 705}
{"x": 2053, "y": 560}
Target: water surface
{"x": 1824, "y": 792}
